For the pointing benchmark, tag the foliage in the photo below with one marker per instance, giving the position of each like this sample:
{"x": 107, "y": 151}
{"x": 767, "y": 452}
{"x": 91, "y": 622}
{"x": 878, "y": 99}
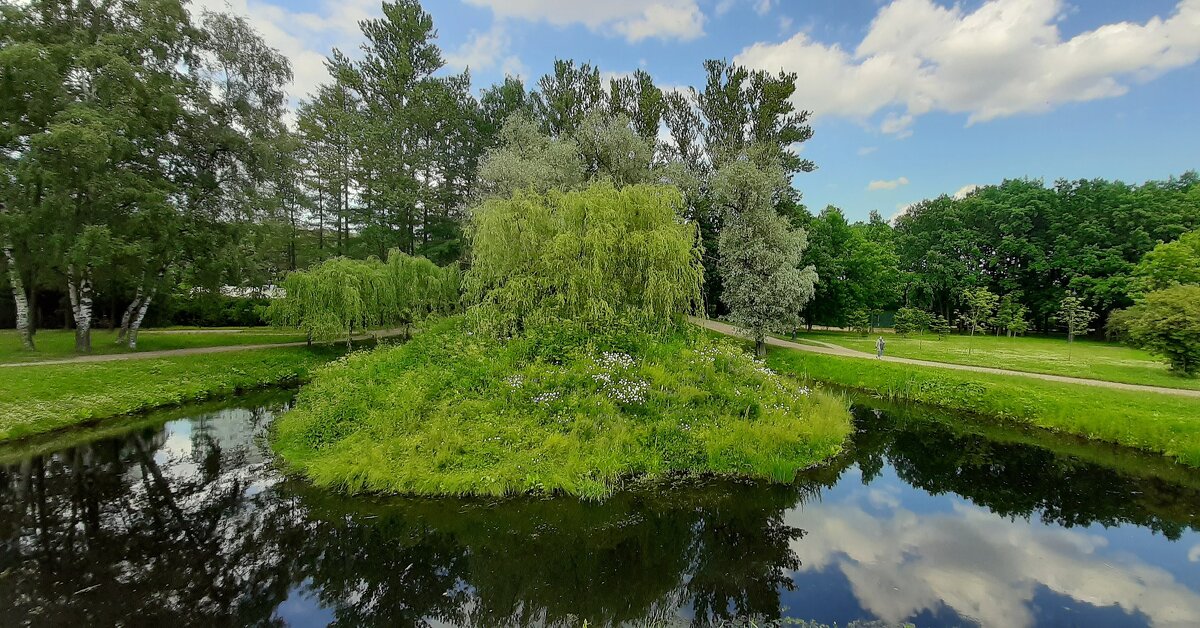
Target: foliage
{"x": 1169, "y": 264}
{"x": 591, "y": 256}
{"x": 860, "y": 322}
{"x": 338, "y": 296}
{"x": 1159, "y": 423}
{"x": 979, "y": 307}
{"x": 1167, "y": 323}
{"x": 38, "y": 399}
{"x": 1076, "y": 317}
{"x": 857, "y": 263}
{"x": 940, "y": 326}
{"x": 763, "y": 284}
{"x": 453, "y": 413}
{"x": 1011, "y": 317}
{"x": 910, "y": 320}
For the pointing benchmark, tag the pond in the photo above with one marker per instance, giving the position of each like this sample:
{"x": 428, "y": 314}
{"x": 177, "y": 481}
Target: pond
{"x": 935, "y": 520}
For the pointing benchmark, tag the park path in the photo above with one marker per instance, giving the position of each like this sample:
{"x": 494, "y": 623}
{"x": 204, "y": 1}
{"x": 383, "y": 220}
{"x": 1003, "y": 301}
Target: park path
{"x": 828, "y": 349}
{"x": 171, "y": 353}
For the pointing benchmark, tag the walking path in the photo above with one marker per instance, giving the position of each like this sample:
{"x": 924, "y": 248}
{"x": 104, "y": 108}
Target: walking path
{"x": 828, "y": 349}
{"x": 171, "y": 353}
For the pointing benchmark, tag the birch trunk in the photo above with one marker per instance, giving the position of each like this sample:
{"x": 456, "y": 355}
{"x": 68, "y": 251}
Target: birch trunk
{"x": 137, "y": 320}
{"x": 80, "y": 290}
{"x": 128, "y": 316}
{"x": 24, "y": 324}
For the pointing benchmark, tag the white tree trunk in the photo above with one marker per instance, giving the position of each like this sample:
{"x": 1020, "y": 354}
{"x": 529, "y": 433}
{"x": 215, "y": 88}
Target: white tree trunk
{"x": 137, "y": 320}
{"x": 24, "y": 324}
{"x": 128, "y": 316}
{"x": 80, "y": 290}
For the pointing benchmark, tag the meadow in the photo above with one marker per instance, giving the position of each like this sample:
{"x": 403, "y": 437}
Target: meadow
{"x": 1087, "y": 359}
{"x": 59, "y": 344}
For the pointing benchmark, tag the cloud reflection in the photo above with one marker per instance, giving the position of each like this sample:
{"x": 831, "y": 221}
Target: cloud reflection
{"x": 985, "y": 567}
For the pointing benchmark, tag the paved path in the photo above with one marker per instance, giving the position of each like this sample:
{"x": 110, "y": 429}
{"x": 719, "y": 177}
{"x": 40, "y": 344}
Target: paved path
{"x": 828, "y": 349}
{"x": 170, "y": 353}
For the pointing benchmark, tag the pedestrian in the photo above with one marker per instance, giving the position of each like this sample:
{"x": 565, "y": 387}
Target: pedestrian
{"x": 879, "y": 346}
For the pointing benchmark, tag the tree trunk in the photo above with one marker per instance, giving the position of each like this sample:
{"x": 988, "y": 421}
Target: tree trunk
{"x": 136, "y": 324}
{"x": 24, "y": 324}
{"x": 760, "y": 348}
{"x": 80, "y": 290}
{"x": 123, "y": 333}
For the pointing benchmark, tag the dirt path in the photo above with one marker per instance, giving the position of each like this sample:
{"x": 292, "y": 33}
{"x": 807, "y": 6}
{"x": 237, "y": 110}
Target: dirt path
{"x": 171, "y": 353}
{"x": 828, "y": 349}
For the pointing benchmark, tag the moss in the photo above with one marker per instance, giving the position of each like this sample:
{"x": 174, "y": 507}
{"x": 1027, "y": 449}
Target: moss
{"x": 456, "y": 414}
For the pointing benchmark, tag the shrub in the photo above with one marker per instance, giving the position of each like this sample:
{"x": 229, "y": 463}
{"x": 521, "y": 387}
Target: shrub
{"x": 910, "y": 320}
{"x": 1167, "y": 323}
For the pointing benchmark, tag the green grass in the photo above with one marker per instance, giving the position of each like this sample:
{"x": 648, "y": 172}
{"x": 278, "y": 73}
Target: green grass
{"x": 1088, "y": 359}
{"x": 1160, "y": 423}
{"x": 453, "y": 414}
{"x": 40, "y": 399}
{"x": 56, "y": 344}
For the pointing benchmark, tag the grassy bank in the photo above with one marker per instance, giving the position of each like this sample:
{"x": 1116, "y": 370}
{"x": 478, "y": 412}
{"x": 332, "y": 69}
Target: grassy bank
{"x": 57, "y": 344}
{"x": 39, "y": 399}
{"x": 454, "y": 414}
{"x": 1088, "y": 359}
{"x": 1164, "y": 424}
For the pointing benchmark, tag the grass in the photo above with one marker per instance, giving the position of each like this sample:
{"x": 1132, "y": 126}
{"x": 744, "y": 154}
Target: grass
{"x": 1088, "y": 359}
{"x": 1160, "y": 423}
{"x": 40, "y": 399}
{"x": 56, "y": 344}
{"x": 454, "y": 414}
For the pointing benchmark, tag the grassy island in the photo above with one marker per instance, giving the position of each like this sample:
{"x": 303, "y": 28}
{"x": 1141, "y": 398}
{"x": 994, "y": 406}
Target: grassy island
{"x": 458, "y": 413}
{"x": 572, "y": 370}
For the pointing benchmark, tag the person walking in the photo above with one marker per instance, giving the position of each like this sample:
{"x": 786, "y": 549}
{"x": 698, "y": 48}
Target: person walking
{"x": 879, "y": 346}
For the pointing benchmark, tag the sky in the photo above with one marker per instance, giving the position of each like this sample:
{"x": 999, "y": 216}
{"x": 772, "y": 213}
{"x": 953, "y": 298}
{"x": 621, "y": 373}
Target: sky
{"x": 910, "y": 98}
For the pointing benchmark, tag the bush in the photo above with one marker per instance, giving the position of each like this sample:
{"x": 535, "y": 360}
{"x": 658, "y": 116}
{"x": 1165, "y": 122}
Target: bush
{"x": 910, "y": 320}
{"x": 206, "y": 309}
{"x": 454, "y": 412}
{"x": 940, "y": 326}
{"x": 1167, "y": 323}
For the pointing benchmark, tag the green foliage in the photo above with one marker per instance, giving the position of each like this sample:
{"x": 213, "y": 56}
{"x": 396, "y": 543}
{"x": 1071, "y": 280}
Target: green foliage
{"x": 455, "y": 413}
{"x": 592, "y": 256}
{"x": 1011, "y": 317}
{"x": 764, "y": 285}
{"x": 979, "y": 307}
{"x": 1167, "y": 323}
{"x": 940, "y": 326}
{"x": 909, "y": 320}
{"x": 1075, "y": 317}
{"x": 337, "y": 296}
{"x": 1159, "y": 423}
{"x": 38, "y": 399}
{"x": 1169, "y": 264}
{"x": 860, "y": 322}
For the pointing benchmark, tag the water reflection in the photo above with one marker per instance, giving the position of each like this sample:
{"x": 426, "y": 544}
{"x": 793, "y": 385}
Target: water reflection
{"x": 921, "y": 522}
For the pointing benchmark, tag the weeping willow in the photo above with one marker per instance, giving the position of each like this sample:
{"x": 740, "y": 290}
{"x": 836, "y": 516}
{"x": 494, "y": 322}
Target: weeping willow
{"x": 338, "y": 296}
{"x": 588, "y": 256}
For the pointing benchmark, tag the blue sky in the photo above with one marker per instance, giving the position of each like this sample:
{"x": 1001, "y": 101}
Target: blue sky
{"x": 912, "y": 98}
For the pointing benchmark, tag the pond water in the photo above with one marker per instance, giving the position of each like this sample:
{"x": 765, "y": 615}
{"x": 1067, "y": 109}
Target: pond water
{"x": 182, "y": 519}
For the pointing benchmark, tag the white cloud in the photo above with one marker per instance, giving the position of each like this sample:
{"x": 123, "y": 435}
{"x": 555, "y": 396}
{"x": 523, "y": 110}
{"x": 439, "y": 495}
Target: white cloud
{"x": 785, "y": 24}
{"x": 887, "y": 185}
{"x": 1194, "y": 554}
{"x": 867, "y": 150}
{"x": 486, "y": 50}
{"x": 965, "y": 190}
{"x": 1005, "y": 58}
{"x": 633, "y": 19}
{"x": 763, "y": 7}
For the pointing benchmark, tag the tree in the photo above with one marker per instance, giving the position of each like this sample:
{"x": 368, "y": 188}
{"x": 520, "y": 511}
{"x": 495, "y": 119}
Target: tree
{"x": 566, "y": 96}
{"x": 1169, "y": 264}
{"x": 764, "y": 285}
{"x": 980, "y": 304}
{"x": 1075, "y": 317}
{"x": 1011, "y": 316}
{"x": 940, "y": 326}
{"x": 1167, "y": 323}
{"x": 910, "y": 320}
{"x": 860, "y": 322}
{"x": 595, "y": 257}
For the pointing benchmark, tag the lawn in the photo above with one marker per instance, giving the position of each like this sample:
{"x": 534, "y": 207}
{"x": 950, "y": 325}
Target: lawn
{"x": 1161, "y": 423}
{"x": 1088, "y": 359}
{"x": 39, "y": 399}
{"x": 56, "y": 344}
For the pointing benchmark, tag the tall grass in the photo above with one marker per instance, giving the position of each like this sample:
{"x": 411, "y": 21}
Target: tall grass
{"x": 1165, "y": 424}
{"x": 455, "y": 414}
